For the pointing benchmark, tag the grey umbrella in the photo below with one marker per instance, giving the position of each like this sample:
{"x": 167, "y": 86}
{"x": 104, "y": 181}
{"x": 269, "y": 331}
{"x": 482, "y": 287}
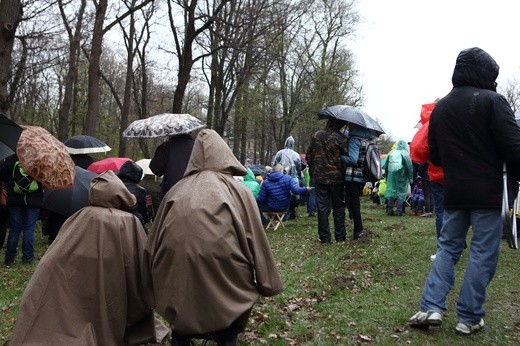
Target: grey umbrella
{"x": 167, "y": 124}
{"x": 352, "y": 115}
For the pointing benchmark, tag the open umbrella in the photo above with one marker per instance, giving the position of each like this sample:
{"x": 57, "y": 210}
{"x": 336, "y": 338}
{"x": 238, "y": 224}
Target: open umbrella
{"x": 45, "y": 158}
{"x": 167, "y": 124}
{"x": 145, "y": 165}
{"x": 9, "y": 134}
{"x": 68, "y": 201}
{"x": 83, "y": 144}
{"x": 352, "y": 115}
{"x": 108, "y": 164}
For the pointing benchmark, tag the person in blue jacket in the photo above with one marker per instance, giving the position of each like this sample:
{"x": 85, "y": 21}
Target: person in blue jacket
{"x": 275, "y": 193}
{"x": 354, "y": 179}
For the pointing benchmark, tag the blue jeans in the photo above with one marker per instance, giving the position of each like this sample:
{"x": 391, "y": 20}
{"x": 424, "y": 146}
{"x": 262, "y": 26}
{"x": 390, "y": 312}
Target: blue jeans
{"x": 22, "y": 221}
{"x": 311, "y": 202}
{"x": 481, "y": 267}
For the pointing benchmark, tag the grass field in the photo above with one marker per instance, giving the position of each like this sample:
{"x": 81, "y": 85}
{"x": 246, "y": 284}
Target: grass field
{"x": 357, "y": 293}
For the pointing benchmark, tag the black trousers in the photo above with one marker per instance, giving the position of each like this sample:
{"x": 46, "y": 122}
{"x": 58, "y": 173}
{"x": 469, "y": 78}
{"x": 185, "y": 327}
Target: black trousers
{"x": 330, "y": 197}
{"x": 353, "y": 191}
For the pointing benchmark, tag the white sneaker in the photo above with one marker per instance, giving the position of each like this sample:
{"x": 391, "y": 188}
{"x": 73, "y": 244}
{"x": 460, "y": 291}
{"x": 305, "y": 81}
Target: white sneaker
{"x": 425, "y": 319}
{"x": 465, "y": 329}
{"x": 432, "y": 257}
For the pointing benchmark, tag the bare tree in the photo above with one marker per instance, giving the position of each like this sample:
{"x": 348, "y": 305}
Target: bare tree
{"x": 11, "y": 12}
{"x": 196, "y": 20}
{"x": 511, "y": 91}
{"x": 95, "y": 58}
{"x": 74, "y": 36}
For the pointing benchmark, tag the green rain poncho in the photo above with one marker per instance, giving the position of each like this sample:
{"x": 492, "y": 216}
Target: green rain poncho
{"x": 399, "y": 171}
{"x": 251, "y": 183}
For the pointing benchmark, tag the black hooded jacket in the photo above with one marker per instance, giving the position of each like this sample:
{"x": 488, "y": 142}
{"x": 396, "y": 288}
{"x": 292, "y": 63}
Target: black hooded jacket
{"x": 472, "y": 131}
{"x": 130, "y": 174}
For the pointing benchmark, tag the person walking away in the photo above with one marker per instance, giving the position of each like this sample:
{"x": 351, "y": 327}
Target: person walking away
{"x": 207, "y": 255}
{"x": 354, "y": 179}
{"x": 24, "y": 200}
{"x": 472, "y": 132}
{"x": 399, "y": 176}
{"x": 291, "y": 161}
{"x": 170, "y": 160}
{"x": 276, "y": 191}
{"x": 323, "y": 156}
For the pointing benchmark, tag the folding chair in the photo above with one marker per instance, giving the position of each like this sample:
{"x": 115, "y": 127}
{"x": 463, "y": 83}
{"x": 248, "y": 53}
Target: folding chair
{"x": 275, "y": 219}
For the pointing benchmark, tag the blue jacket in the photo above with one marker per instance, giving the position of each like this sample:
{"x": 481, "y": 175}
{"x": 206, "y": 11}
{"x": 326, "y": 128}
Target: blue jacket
{"x": 276, "y": 190}
{"x": 355, "y": 173}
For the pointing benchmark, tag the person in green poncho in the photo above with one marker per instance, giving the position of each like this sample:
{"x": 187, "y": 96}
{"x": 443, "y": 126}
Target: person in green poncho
{"x": 251, "y": 183}
{"x": 399, "y": 175}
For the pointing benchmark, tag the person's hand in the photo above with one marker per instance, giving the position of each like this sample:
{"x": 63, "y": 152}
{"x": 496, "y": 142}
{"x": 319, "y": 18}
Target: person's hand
{"x": 310, "y": 188}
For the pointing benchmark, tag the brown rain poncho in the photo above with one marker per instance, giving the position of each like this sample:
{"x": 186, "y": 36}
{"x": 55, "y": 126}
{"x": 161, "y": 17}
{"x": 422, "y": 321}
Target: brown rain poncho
{"x": 207, "y": 253}
{"x": 87, "y": 288}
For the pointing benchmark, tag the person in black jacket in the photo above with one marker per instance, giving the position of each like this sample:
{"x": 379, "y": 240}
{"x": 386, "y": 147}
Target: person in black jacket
{"x": 171, "y": 159}
{"x": 24, "y": 210}
{"x": 131, "y": 174}
{"x": 472, "y": 132}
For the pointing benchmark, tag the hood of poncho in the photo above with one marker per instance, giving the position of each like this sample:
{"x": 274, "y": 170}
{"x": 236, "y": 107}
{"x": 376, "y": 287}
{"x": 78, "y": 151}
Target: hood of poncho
{"x": 108, "y": 191}
{"x": 211, "y": 153}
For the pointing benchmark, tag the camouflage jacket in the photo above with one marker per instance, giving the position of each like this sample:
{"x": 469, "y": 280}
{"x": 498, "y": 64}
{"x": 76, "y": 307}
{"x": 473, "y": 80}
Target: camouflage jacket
{"x": 323, "y": 157}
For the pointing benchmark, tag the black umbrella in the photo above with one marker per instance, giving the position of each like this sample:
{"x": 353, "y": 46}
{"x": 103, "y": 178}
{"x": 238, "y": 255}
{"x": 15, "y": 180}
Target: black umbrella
{"x": 84, "y": 144}
{"x": 68, "y": 201}
{"x": 257, "y": 169}
{"x": 9, "y": 134}
{"x": 352, "y": 115}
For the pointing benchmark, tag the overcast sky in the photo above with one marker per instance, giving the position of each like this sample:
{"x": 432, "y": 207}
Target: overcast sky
{"x": 406, "y": 50}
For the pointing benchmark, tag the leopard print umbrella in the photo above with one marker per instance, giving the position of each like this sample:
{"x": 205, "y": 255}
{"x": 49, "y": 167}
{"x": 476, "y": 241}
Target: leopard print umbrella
{"x": 45, "y": 158}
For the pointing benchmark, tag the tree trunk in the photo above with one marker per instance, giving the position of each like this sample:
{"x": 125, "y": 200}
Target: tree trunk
{"x": 10, "y": 16}
{"x": 72, "y": 73}
{"x": 94, "y": 69}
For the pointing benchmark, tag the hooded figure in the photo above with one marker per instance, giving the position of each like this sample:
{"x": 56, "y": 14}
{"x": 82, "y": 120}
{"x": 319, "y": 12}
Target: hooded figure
{"x": 251, "y": 183}
{"x": 87, "y": 288}
{"x": 472, "y": 132}
{"x": 289, "y": 159}
{"x": 131, "y": 174}
{"x": 207, "y": 253}
{"x": 399, "y": 175}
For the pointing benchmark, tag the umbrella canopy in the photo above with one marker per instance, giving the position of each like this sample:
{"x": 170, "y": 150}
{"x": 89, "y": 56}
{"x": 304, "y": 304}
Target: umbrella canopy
{"x": 9, "y": 134}
{"x": 352, "y": 115}
{"x": 257, "y": 169}
{"x": 167, "y": 124}
{"x": 108, "y": 164}
{"x": 45, "y": 158}
{"x": 145, "y": 165}
{"x": 68, "y": 201}
{"x": 83, "y": 144}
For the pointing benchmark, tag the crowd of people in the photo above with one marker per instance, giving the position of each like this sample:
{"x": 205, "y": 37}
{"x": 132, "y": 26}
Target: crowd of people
{"x": 207, "y": 239}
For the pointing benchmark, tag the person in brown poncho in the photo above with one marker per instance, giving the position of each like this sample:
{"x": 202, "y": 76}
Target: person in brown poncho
{"x": 207, "y": 253}
{"x": 87, "y": 288}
